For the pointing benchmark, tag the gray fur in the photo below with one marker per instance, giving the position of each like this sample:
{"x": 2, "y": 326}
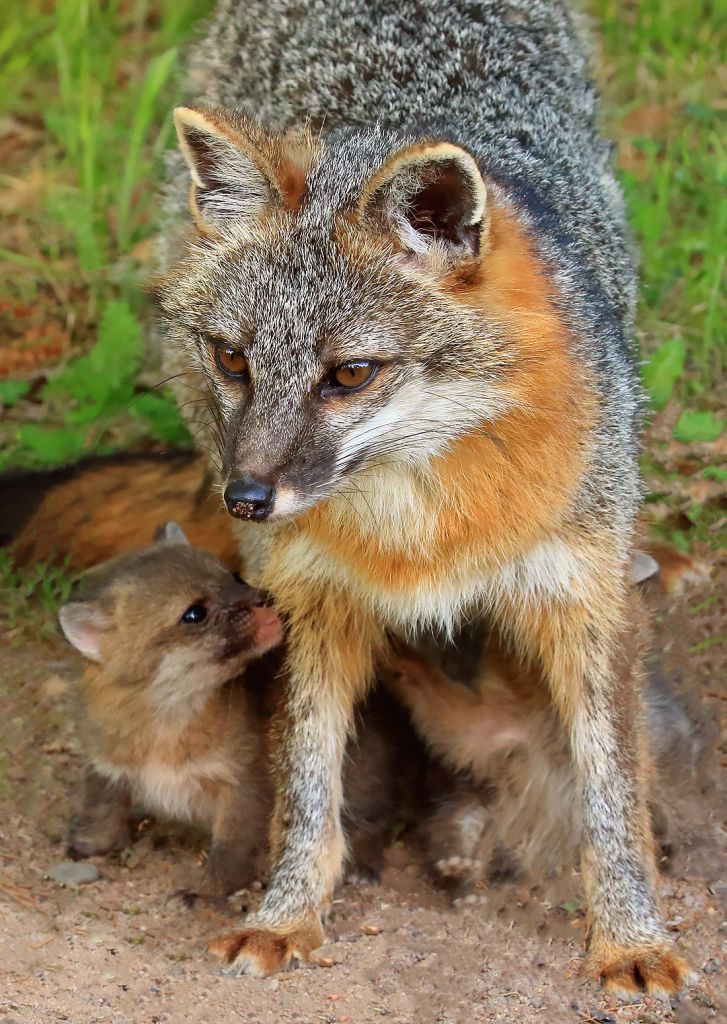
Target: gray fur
{"x": 507, "y": 82}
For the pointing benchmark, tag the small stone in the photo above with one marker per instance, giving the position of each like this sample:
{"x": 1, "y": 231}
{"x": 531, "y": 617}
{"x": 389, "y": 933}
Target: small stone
{"x": 274, "y": 984}
{"x": 326, "y": 956}
{"x": 370, "y": 929}
{"x": 536, "y": 1002}
{"x": 73, "y": 872}
{"x": 601, "y": 1016}
{"x": 711, "y": 966}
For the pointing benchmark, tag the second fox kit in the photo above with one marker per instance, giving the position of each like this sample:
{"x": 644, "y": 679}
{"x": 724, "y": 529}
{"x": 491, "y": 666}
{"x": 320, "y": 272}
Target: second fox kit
{"x": 167, "y": 713}
{"x": 409, "y": 290}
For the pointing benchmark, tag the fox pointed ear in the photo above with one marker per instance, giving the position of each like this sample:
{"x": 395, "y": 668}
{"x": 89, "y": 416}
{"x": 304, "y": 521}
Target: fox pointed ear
{"x": 85, "y": 625}
{"x": 170, "y": 533}
{"x": 231, "y": 180}
{"x": 427, "y": 194}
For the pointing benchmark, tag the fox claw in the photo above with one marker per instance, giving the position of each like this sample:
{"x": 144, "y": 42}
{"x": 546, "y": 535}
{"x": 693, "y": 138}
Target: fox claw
{"x": 656, "y": 970}
{"x": 261, "y": 951}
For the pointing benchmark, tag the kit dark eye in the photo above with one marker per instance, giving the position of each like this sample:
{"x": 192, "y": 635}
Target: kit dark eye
{"x": 195, "y": 614}
{"x": 352, "y": 376}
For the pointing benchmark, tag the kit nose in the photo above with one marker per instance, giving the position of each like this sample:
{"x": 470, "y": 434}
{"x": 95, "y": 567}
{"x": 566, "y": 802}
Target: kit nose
{"x": 248, "y": 498}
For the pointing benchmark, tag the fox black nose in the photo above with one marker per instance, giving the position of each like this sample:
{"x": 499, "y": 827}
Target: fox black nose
{"x": 248, "y": 498}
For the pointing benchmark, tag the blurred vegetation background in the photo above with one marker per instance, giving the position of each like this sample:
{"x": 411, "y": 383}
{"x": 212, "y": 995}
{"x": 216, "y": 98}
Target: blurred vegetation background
{"x": 87, "y": 88}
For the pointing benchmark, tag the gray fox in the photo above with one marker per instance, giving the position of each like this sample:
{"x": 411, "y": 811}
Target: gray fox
{"x": 174, "y": 710}
{"x": 409, "y": 290}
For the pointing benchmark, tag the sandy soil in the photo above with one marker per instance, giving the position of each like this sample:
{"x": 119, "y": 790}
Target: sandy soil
{"x": 120, "y": 951}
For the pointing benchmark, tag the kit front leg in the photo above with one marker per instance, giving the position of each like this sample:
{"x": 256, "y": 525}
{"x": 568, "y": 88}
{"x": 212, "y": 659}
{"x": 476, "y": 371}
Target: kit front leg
{"x": 590, "y": 649}
{"x": 330, "y": 664}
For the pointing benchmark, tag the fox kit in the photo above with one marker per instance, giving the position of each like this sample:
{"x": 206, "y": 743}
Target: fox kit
{"x": 408, "y": 288}
{"x": 514, "y": 793}
{"x": 168, "y": 713}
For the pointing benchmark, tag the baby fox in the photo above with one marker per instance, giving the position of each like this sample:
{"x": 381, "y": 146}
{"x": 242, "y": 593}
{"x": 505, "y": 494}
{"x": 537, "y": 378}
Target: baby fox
{"x": 409, "y": 292}
{"x": 162, "y": 711}
{"x": 513, "y": 793}
{"x": 174, "y": 711}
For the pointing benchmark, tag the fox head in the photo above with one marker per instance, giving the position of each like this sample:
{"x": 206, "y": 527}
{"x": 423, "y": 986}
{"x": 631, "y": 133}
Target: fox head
{"x": 324, "y": 296}
{"x": 170, "y": 620}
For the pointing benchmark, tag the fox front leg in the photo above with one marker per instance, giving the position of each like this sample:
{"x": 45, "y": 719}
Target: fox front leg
{"x": 332, "y": 649}
{"x": 590, "y": 647}
{"x": 102, "y": 822}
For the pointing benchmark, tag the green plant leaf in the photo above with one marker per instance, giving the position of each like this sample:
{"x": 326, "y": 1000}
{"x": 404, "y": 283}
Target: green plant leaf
{"x": 52, "y": 446}
{"x": 112, "y": 361}
{"x": 163, "y": 416}
{"x": 663, "y": 370}
{"x": 571, "y": 907}
{"x": 12, "y": 390}
{"x": 715, "y": 473}
{"x": 698, "y": 426}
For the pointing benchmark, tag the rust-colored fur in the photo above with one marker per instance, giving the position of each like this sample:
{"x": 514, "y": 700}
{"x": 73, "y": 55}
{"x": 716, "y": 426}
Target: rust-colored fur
{"x": 103, "y": 511}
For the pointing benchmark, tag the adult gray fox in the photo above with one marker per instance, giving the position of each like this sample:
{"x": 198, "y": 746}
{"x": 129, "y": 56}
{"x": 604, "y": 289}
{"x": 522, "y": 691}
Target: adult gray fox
{"x": 409, "y": 290}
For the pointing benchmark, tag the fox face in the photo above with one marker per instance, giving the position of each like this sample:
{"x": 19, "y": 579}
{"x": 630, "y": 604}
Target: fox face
{"x": 317, "y": 298}
{"x": 171, "y": 620}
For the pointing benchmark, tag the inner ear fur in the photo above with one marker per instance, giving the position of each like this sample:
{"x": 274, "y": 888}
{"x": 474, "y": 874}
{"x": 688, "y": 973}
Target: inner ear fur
{"x": 239, "y": 169}
{"x": 85, "y": 626}
{"x": 425, "y": 194}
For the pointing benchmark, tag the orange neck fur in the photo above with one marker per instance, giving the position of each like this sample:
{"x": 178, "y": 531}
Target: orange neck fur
{"x": 499, "y": 489}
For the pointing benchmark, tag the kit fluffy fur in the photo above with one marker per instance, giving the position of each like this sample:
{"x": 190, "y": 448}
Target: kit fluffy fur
{"x": 408, "y": 290}
{"x": 174, "y": 712}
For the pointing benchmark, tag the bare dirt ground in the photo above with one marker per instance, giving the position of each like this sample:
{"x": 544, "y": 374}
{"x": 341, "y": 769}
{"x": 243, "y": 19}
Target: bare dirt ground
{"x": 119, "y": 952}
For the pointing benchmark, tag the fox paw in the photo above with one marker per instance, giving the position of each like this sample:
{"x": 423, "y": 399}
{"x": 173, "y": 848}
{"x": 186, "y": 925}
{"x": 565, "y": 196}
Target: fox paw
{"x": 656, "y": 970}
{"x": 457, "y": 867}
{"x": 260, "y": 951}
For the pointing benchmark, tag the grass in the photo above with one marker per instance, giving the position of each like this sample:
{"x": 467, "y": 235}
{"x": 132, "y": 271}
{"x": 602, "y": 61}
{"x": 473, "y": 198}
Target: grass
{"x": 30, "y": 598}
{"x": 664, "y": 80}
{"x": 87, "y": 88}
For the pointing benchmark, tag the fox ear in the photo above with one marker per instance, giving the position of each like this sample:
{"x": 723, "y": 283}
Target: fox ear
{"x": 84, "y": 625}
{"x": 427, "y": 194}
{"x": 231, "y": 180}
{"x": 171, "y": 533}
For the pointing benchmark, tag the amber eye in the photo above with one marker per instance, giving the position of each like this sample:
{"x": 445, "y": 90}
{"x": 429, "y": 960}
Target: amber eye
{"x": 231, "y": 362}
{"x": 353, "y": 375}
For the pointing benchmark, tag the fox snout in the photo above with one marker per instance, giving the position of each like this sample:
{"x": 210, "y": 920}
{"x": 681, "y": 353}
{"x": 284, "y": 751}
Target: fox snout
{"x": 250, "y": 498}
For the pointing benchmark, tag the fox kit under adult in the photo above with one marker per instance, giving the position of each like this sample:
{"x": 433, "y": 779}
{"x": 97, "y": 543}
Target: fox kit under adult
{"x": 175, "y": 707}
{"x": 409, "y": 291}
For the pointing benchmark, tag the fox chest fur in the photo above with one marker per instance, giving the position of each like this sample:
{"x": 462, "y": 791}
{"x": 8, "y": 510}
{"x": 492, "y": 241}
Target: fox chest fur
{"x": 178, "y": 765}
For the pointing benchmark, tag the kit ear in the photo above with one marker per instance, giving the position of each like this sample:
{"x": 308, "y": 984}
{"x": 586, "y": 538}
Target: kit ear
{"x": 85, "y": 626}
{"x": 427, "y": 194}
{"x": 238, "y": 169}
{"x": 643, "y": 566}
{"x": 170, "y": 533}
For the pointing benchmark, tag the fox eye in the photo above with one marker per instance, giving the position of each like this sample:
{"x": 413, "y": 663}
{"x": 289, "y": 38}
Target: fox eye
{"x": 231, "y": 362}
{"x": 354, "y": 375}
{"x": 194, "y": 614}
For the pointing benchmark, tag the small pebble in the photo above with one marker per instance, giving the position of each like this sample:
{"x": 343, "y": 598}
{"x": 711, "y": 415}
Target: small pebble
{"x": 326, "y": 956}
{"x": 370, "y": 929}
{"x": 71, "y": 872}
